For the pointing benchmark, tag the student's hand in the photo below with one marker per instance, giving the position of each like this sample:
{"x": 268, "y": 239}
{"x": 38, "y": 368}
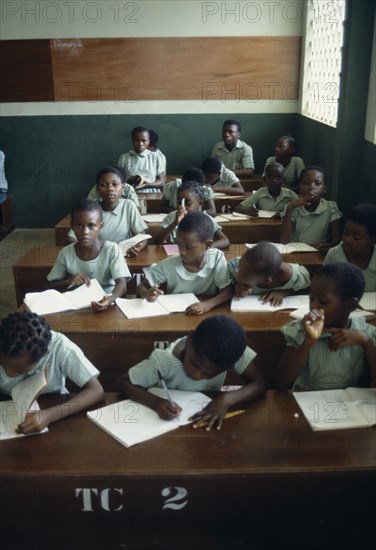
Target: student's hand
{"x": 78, "y": 280}
{"x": 275, "y": 297}
{"x": 253, "y": 211}
{"x": 34, "y": 422}
{"x": 303, "y": 200}
{"x": 242, "y": 291}
{"x": 276, "y": 216}
{"x": 134, "y": 251}
{"x": 167, "y": 411}
{"x": 323, "y": 248}
{"x": 153, "y": 293}
{"x": 341, "y": 337}
{"x": 181, "y": 212}
{"x": 313, "y": 323}
{"x": 213, "y": 414}
{"x": 143, "y": 182}
{"x": 102, "y": 305}
{"x": 197, "y": 309}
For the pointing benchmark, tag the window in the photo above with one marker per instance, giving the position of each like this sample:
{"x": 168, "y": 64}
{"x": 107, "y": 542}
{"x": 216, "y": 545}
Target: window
{"x": 323, "y": 43}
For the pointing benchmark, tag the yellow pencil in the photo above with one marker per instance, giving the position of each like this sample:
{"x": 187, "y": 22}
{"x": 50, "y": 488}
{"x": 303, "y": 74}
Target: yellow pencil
{"x": 234, "y": 413}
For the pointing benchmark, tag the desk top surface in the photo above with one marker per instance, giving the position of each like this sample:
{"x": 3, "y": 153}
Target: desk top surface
{"x": 267, "y": 439}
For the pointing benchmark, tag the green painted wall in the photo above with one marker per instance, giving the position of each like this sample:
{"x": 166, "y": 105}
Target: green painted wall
{"x": 52, "y": 161}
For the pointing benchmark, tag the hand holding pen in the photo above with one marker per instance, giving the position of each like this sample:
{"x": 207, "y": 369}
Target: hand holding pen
{"x": 168, "y": 410}
{"x": 181, "y": 212}
{"x": 153, "y": 293}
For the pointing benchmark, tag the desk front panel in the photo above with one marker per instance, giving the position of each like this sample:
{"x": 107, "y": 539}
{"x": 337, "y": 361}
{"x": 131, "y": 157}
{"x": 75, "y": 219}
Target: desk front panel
{"x": 265, "y": 481}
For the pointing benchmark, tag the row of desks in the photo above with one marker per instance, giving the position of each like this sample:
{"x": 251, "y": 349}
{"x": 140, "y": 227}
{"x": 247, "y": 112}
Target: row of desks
{"x": 30, "y": 272}
{"x": 264, "y": 481}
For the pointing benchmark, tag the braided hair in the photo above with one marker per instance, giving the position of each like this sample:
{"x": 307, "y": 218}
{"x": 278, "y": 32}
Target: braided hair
{"x": 24, "y": 332}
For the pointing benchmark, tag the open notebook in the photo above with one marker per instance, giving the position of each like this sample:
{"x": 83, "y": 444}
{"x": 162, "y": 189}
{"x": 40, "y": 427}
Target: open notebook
{"x": 24, "y": 395}
{"x": 129, "y": 243}
{"x": 130, "y": 422}
{"x": 253, "y": 303}
{"x": 53, "y": 301}
{"x": 288, "y": 248}
{"x": 338, "y": 409}
{"x": 167, "y": 303}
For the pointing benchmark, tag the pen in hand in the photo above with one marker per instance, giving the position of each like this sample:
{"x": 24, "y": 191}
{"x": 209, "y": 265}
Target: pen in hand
{"x": 161, "y": 379}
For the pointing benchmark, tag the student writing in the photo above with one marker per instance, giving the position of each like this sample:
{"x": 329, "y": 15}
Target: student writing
{"x": 199, "y": 268}
{"x": 190, "y": 199}
{"x": 272, "y": 197}
{"x": 261, "y": 271}
{"x": 220, "y": 178}
{"x": 28, "y": 345}
{"x": 198, "y": 362}
{"x": 90, "y": 257}
{"x": 328, "y": 349}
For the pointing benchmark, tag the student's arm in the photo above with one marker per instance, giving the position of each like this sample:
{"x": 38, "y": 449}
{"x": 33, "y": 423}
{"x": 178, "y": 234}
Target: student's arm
{"x": 91, "y": 393}
{"x": 209, "y": 208}
{"x": 293, "y": 359}
{"x": 148, "y": 292}
{"x": 347, "y": 337}
{"x": 139, "y": 394}
{"x": 71, "y": 281}
{"x": 202, "y": 307}
{"x": 136, "y": 249}
{"x": 248, "y": 206}
{"x": 220, "y": 240}
{"x": 119, "y": 290}
{"x": 275, "y": 297}
{"x": 163, "y": 235}
{"x": 244, "y": 173}
{"x": 215, "y": 411}
{"x": 235, "y": 189}
{"x": 335, "y": 237}
{"x": 165, "y": 206}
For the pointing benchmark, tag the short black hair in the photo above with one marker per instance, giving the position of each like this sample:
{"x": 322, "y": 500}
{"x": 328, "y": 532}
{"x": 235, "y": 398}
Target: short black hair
{"x": 232, "y": 122}
{"x": 117, "y": 170}
{"x": 211, "y": 165}
{"x": 317, "y": 169}
{"x": 266, "y": 256}
{"x": 139, "y": 130}
{"x": 198, "y": 222}
{"x": 220, "y": 339}
{"x": 291, "y": 141}
{"x": 349, "y": 279}
{"x": 193, "y": 174}
{"x": 153, "y": 137}
{"x": 23, "y": 332}
{"x": 193, "y": 187}
{"x": 87, "y": 205}
{"x": 364, "y": 214}
{"x": 271, "y": 165}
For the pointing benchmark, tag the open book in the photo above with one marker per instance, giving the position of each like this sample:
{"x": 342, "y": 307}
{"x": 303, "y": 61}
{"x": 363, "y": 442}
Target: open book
{"x": 288, "y": 248}
{"x": 129, "y": 243}
{"x": 301, "y": 311}
{"x": 24, "y": 395}
{"x": 130, "y": 422}
{"x": 253, "y": 303}
{"x": 167, "y": 303}
{"x": 53, "y": 301}
{"x": 368, "y": 301}
{"x": 338, "y": 409}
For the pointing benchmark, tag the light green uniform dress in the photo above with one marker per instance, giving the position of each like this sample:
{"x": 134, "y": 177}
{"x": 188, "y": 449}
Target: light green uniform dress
{"x": 336, "y": 254}
{"x": 241, "y": 156}
{"x": 263, "y": 200}
{"x": 170, "y": 192}
{"x": 291, "y": 171}
{"x": 171, "y": 217}
{"x": 147, "y": 164}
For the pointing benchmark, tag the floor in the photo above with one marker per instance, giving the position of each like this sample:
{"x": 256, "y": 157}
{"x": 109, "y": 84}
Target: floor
{"x": 12, "y": 248}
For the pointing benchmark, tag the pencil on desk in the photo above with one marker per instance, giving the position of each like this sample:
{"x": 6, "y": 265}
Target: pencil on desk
{"x": 233, "y": 413}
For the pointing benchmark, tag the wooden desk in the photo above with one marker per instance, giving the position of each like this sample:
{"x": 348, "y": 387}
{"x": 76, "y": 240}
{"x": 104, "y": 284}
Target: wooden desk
{"x": 264, "y": 481}
{"x": 30, "y": 272}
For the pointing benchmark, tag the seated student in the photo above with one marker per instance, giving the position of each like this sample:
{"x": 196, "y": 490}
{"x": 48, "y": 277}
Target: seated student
{"x": 311, "y": 219}
{"x": 28, "y": 345}
{"x": 235, "y": 154}
{"x": 273, "y": 197}
{"x": 143, "y": 167}
{"x": 220, "y": 178}
{"x": 285, "y": 150}
{"x": 200, "y": 268}
{"x": 90, "y": 257}
{"x": 328, "y": 349}
{"x": 262, "y": 271}
{"x": 121, "y": 219}
{"x": 190, "y": 199}
{"x": 198, "y": 362}
{"x": 169, "y": 201}
{"x": 358, "y": 243}
{"x": 117, "y": 172}
{"x": 153, "y": 146}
